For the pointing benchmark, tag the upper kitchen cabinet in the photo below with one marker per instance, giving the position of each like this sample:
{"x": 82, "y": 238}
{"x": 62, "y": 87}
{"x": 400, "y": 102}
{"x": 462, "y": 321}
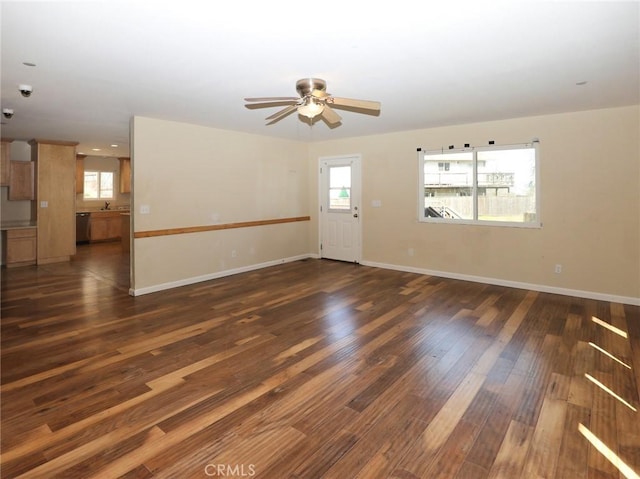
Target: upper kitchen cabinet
{"x": 55, "y": 210}
{"x": 80, "y": 174}
{"x": 125, "y": 175}
{"x": 21, "y": 179}
{"x": 6, "y": 157}
{"x": 17, "y": 175}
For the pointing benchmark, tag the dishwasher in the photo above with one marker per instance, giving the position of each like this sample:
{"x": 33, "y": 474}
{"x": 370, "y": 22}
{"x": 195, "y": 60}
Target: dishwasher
{"x": 82, "y": 227}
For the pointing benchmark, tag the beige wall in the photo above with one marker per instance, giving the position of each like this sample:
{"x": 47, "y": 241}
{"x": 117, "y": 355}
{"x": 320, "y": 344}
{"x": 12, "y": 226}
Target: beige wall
{"x": 193, "y": 176}
{"x": 590, "y": 204}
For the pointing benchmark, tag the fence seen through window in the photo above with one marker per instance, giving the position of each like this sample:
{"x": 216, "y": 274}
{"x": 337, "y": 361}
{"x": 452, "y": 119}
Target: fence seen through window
{"x": 480, "y": 185}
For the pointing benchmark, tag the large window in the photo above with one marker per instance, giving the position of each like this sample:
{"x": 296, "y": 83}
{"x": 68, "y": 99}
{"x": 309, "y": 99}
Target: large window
{"x": 98, "y": 185}
{"x": 496, "y": 184}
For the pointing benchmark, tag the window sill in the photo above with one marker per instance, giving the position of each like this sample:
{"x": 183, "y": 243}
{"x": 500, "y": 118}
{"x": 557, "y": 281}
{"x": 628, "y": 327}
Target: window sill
{"x": 504, "y": 224}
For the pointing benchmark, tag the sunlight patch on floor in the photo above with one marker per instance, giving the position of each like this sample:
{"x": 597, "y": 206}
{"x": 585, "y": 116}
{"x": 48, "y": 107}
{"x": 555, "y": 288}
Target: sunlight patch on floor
{"x": 610, "y": 327}
{"x": 609, "y": 391}
{"x": 608, "y": 354}
{"x": 611, "y": 456}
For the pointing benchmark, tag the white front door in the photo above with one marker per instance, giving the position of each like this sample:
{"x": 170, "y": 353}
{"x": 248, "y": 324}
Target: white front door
{"x": 340, "y": 208}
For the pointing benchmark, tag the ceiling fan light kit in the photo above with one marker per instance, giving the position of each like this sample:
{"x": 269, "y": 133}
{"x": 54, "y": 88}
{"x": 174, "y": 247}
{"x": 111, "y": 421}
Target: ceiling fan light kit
{"x": 310, "y": 108}
{"x": 314, "y": 100}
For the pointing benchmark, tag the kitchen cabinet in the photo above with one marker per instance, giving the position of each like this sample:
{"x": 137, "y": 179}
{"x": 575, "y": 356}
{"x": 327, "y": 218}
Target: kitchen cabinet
{"x": 80, "y": 174}
{"x": 19, "y": 246}
{"x": 125, "y": 175}
{"x": 105, "y": 226}
{"x": 6, "y": 157}
{"x": 21, "y": 180}
{"x": 55, "y": 205}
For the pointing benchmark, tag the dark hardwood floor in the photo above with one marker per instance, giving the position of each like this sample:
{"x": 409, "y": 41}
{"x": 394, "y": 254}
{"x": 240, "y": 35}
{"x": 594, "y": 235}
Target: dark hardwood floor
{"x": 106, "y": 261}
{"x": 312, "y": 369}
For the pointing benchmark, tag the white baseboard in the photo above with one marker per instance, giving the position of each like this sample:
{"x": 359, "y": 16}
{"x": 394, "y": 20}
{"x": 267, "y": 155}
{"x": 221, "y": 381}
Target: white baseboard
{"x": 511, "y": 284}
{"x": 408, "y": 269}
{"x": 219, "y": 274}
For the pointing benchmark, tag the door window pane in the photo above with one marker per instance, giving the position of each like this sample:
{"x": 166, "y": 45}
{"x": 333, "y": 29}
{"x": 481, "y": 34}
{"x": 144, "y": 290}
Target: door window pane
{"x": 340, "y": 188}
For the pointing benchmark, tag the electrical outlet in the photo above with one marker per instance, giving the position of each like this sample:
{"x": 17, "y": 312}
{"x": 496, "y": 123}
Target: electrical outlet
{"x": 558, "y": 269}
{"x": 410, "y": 251}
{"x": 234, "y": 253}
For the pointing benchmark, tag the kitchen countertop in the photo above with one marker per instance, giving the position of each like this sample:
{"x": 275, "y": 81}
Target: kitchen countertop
{"x": 113, "y": 211}
{"x": 16, "y": 225}
{"x": 117, "y": 209}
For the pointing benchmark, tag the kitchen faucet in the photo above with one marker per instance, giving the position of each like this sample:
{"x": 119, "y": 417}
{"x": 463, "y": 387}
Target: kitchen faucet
{"x": 106, "y": 205}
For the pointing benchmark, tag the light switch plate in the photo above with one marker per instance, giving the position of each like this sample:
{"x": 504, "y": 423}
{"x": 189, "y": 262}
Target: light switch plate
{"x": 145, "y": 209}
{"x": 44, "y": 204}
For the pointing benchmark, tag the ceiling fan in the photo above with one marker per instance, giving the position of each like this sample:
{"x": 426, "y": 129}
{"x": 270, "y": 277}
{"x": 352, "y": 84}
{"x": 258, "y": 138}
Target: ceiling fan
{"x": 313, "y": 101}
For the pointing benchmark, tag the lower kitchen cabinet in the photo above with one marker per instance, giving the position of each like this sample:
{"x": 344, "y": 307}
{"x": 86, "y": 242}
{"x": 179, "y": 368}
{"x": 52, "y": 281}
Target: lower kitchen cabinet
{"x": 105, "y": 226}
{"x": 19, "y": 247}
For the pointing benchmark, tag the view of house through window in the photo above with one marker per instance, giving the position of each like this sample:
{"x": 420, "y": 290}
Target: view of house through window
{"x": 340, "y": 188}
{"x": 495, "y": 184}
{"x": 98, "y": 185}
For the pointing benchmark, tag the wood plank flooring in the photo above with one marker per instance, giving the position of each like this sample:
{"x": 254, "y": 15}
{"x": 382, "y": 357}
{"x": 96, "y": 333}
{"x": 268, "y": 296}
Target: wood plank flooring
{"x": 313, "y": 369}
{"x": 106, "y": 261}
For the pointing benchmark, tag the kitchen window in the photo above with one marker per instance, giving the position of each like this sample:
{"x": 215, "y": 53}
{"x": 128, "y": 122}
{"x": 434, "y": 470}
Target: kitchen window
{"x": 480, "y": 185}
{"x": 98, "y": 185}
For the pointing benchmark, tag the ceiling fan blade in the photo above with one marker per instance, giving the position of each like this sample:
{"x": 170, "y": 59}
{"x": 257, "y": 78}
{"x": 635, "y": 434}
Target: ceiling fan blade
{"x": 330, "y": 116}
{"x": 274, "y": 98}
{"x": 272, "y": 104}
{"x": 363, "y": 104}
{"x": 279, "y": 115}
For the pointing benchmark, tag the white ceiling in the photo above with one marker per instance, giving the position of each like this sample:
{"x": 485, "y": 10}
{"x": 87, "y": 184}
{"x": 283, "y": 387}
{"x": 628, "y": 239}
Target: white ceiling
{"x": 429, "y": 64}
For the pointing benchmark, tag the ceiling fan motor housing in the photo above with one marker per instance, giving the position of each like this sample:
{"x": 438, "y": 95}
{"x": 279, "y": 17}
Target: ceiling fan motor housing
{"x": 305, "y": 86}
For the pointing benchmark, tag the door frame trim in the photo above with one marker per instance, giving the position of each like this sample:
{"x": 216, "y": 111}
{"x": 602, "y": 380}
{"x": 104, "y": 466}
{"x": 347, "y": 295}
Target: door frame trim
{"x": 358, "y": 158}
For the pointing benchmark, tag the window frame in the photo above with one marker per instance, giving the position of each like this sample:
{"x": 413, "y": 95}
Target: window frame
{"x": 422, "y": 218}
